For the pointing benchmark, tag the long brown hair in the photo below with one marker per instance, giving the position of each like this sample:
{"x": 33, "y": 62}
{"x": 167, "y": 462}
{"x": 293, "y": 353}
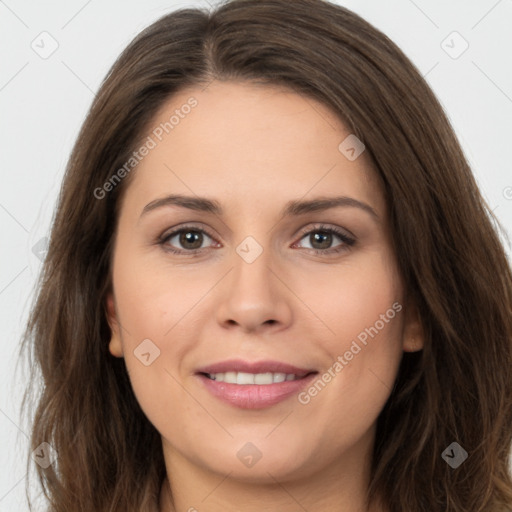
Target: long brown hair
{"x": 446, "y": 239}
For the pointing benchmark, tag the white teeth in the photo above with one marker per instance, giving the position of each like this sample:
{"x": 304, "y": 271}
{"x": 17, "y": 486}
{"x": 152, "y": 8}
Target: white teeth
{"x": 228, "y": 377}
{"x": 244, "y": 378}
{"x": 263, "y": 378}
{"x": 251, "y": 378}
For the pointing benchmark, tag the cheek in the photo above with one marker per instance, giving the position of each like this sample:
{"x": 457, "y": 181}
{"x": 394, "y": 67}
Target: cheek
{"x": 152, "y": 309}
{"x": 154, "y": 301}
{"x": 359, "y": 300}
{"x": 362, "y": 305}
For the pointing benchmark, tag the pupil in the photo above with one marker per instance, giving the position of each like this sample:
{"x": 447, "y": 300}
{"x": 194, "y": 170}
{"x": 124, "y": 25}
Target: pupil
{"x": 325, "y": 236}
{"x": 189, "y": 236}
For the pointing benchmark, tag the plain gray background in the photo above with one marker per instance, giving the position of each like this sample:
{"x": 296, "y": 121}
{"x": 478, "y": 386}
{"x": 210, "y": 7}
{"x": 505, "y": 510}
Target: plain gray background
{"x": 44, "y": 99}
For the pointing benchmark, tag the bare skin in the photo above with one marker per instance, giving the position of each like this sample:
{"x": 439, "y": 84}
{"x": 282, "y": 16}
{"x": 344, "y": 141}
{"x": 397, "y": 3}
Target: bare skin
{"x": 254, "y": 148}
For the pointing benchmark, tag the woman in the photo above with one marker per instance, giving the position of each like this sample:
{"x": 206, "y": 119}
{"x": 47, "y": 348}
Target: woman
{"x": 338, "y": 335}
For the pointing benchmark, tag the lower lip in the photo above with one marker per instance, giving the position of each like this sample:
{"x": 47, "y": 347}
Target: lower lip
{"x": 255, "y": 396}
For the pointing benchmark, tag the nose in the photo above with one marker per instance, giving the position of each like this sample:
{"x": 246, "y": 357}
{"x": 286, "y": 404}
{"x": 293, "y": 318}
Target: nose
{"x": 255, "y": 297}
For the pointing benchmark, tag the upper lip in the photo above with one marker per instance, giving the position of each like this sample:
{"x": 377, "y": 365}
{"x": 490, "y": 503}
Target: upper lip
{"x": 238, "y": 365}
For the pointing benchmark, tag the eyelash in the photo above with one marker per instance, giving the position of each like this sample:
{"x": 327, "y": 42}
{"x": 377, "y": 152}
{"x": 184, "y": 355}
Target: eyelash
{"x": 347, "y": 241}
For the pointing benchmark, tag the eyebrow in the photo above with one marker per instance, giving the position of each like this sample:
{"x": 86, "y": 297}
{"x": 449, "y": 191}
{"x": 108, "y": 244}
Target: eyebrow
{"x": 292, "y": 208}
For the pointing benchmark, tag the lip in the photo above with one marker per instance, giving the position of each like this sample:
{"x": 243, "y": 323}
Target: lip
{"x": 238, "y": 365}
{"x": 255, "y": 396}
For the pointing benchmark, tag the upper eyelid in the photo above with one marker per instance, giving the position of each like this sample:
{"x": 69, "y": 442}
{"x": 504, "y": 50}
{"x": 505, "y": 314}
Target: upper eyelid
{"x": 173, "y": 231}
{"x": 318, "y": 226}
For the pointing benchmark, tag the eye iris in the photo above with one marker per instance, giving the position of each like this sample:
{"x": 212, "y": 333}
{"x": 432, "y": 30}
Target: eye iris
{"x": 324, "y": 238}
{"x": 191, "y": 236}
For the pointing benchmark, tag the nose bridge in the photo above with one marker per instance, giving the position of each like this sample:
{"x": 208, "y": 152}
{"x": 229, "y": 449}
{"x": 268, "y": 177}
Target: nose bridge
{"x": 252, "y": 269}
{"x": 254, "y": 296}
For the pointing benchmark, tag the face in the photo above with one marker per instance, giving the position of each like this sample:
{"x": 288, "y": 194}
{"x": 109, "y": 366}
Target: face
{"x": 257, "y": 291}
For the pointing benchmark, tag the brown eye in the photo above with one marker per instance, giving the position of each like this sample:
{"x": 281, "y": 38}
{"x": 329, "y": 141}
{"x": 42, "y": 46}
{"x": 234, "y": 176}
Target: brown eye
{"x": 321, "y": 240}
{"x": 187, "y": 239}
{"x": 190, "y": 239}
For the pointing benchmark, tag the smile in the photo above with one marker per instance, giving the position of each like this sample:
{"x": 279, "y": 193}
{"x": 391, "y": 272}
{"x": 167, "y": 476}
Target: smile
{"x": 245, "y": 378}
{"x": 253, "y": 385}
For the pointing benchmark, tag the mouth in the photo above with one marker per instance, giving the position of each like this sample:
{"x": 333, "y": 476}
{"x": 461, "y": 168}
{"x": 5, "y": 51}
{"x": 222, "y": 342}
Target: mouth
{"x": 254, "y": 385}
{"x": 261, "y": 379}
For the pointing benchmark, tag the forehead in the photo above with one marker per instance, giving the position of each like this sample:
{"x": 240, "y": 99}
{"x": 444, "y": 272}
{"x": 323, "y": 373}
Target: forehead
{"x": 244, "y": 142}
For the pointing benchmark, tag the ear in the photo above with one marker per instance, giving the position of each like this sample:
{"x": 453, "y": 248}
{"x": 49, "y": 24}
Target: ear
{"x": 413, "y": 336}
{"x": 115, "y": 346}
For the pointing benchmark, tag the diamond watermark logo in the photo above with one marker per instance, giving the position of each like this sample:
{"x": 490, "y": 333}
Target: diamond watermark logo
{"x": 45, "y": 45}
{"x": 454, "y": 455}
{"x": 249, "y": 454}
{"x": 351, "y": 147}
{"x": 454, "y": 45}
{"x": 249, "y": 250}
{"x": 40, "y": 248}
{"x": 44, "y": 455}
{"x": 147, "y": 352}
